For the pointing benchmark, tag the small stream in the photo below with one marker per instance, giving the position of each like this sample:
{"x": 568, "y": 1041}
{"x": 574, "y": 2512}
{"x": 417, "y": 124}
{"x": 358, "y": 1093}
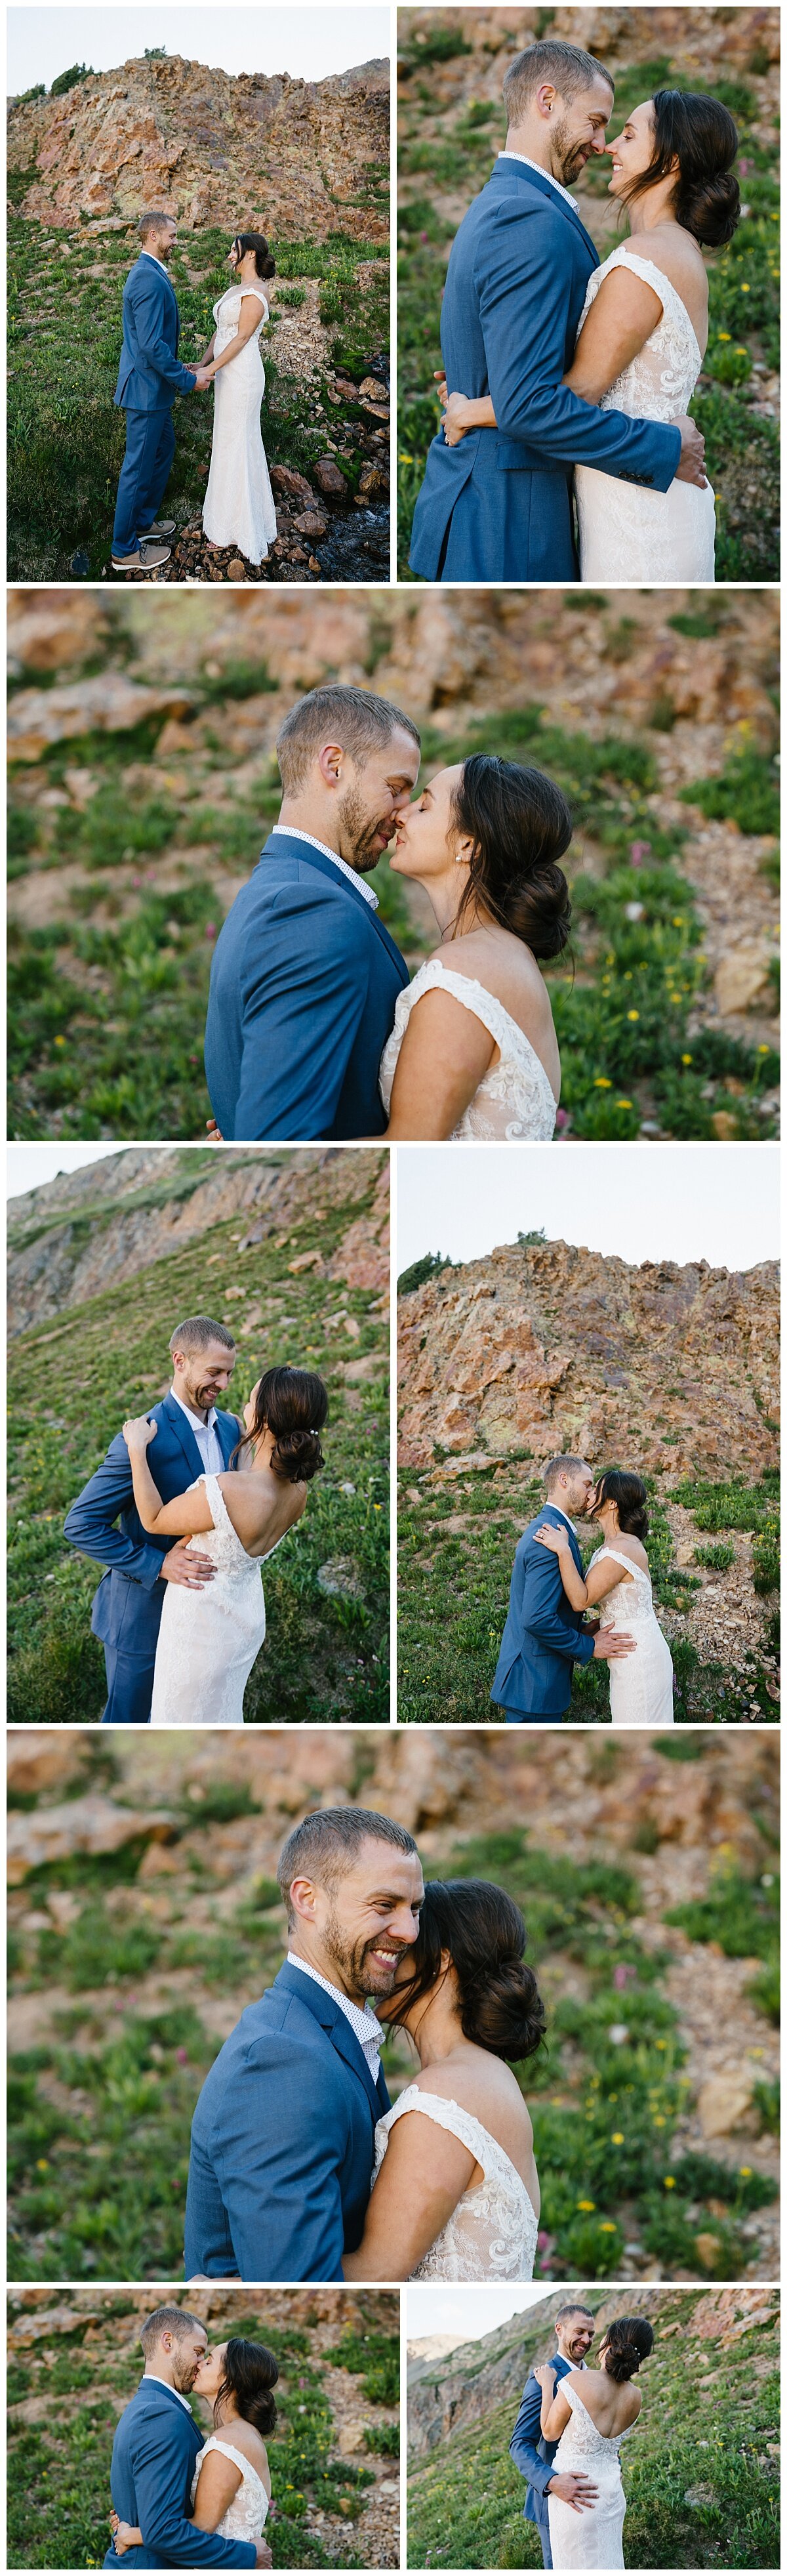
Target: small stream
{"x": 357, "y": 546}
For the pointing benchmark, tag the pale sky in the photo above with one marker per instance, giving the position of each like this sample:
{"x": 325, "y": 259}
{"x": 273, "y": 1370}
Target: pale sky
{"x": 29, "y": 1166}
{"x": 718, "y": 1203}
{"x": 308, "y": 42}
{"x": 434, "y": 2309}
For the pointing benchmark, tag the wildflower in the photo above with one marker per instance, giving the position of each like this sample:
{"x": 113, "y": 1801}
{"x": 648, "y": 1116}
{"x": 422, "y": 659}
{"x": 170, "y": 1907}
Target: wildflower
{"x": 42, "y": 2165}
{"x": 745, "y": 2170}
{"x": 624, "y": 1104}
{"x": 602, "y": 1082}
{"x": 669, "y": 2182}
{"x": 745, "y": 290}
{"x": 687, "y": 1059}
{"x": 632, "y": 1015}
{"x": 725, "y": 335}
{"x": 606, "y": 2227}
{"x": 60, "y": 1042}
{"x": 586, "y": 2204}
{"x": 659, "y": 2121}
{"x": 618, "y": 2138}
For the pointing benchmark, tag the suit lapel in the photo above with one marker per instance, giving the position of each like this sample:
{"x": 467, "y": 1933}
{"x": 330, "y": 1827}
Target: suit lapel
{"x": 335, "y": 2023}
{"x": 559, "y": 1518}
{"x": 543, "y": 185}
{"x": 324, "y": 867}
{"x": 184, "y": 1437}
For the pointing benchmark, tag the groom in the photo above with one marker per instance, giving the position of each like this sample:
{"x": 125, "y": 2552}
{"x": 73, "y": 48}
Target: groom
{"x": 543, "y": 1637}
{"x": 305, "y": 978}
{"x": 498, "y": 506}
{"x": 149, "y": 377}
{"x": 574, "y": 2331}
{"x": 192, "y": 1439}
{"x": 155, "y": 2451}
{"x": 282, "y": 2141}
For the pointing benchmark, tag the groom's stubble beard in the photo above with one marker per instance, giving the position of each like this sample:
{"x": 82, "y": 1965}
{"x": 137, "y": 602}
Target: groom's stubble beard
{"x": 569, "y": 155}
{"x": 359, "y": 832}
{"x": 354, "y": 1959}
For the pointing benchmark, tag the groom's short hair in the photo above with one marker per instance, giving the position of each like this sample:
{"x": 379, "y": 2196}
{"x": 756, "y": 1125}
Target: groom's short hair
{"x": 574, "y": 2308}
{"x": 196, "y": 1334}
{"x": 153, "y": 223}
{"x": 167, "y": 2320}
{"x": 327, "y": 1844}
{"x": 560, "y": 1467}
{"x": 355, "y": 718}
{"x": 566, "y": 66}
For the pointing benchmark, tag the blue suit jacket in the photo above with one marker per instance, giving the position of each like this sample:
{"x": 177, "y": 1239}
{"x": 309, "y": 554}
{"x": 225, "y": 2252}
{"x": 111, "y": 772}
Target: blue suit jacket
{"x": 128, "y": 1604}
{"x": 150, "y": 373}
{"x": 153, "y": 2457}
{"x": 303, "y": 989}
{"x": 516, "y": 284}
{"x": 532, "y": 2454}
{"x": 542, "y": 1636}
{"x": 282, "y": 2142}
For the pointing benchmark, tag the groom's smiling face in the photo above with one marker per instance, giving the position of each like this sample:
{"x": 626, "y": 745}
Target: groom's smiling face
{"x": 359, "y": 1928}
{"x": 579, "y": 129}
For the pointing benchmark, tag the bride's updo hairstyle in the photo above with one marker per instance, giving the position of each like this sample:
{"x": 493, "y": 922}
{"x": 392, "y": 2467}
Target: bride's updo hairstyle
{"x": 250, "y": 2375}
{"x": 264, "y": 262}
{"x": 293, "y": 1404}
{"x": 499, "y": 2003}
{"x": 627, "y": 2341}
{"x": 628, "y": 1491}
{"x": 702, "y": 137}
{"x": 519, "y": 825}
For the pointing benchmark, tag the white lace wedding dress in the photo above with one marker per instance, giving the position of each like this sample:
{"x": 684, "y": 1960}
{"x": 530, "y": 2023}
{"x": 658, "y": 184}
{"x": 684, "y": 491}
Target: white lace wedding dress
{"x": 239, "y": 508}
{"x": 514, "y": 1100}
{"x": 245, "y": 2516}
{"x": 640, "y": 1685}
{"x": 492, "y": 2233}
{"x": 628, "y": 533}
{"x": 593, "y": 2538}
{"x": 209, "y": 1640}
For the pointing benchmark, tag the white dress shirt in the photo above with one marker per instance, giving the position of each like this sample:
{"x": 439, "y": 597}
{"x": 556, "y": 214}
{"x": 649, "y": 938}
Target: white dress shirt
{"x": 166, "y": 2383}
{"x": 363, "y": 2022}
{"x": 558, "y": 1507}
{"x": 206, "y": 1436}
{"x": 542, "y": 174}
{"x": 159, "y": 263}
{"x": 294, "y": 833}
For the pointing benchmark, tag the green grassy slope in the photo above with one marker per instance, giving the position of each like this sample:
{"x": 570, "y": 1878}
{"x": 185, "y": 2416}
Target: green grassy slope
{"x": 453, "y": 1587}
{"x": 700, "y": 2471}
{"x": 59, "y": 2470}
{"x": 445, "y": 156}
{"x": 324, "y": 1659}
{"x": 65, "y": 440}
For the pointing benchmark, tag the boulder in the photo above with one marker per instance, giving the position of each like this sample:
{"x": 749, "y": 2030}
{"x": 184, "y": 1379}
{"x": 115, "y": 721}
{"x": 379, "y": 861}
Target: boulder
{"x": 93, "y": 1824}
{"x": 723, "y": 2102}
{"x": 329, "y": 480}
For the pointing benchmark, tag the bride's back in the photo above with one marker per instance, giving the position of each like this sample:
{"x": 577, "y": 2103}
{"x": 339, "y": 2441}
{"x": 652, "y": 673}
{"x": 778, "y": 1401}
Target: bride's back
{"x": 501, "y": 962}
{"x": 613, "y": 2405}
{"x": 485, "y": 2087}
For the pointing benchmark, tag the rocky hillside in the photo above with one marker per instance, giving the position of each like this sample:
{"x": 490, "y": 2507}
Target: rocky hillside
{"x": 74, "y": 2362}
{"x": 92, "y": 1228}
{"x": 289, "y": 157}
{"x": 144, "y": 1915}
{"x": 542, "y": 1347}
{"x": 291, "y": 1249}
{"x": 710, "y": 2397}
{"x": 546, "y": 1346}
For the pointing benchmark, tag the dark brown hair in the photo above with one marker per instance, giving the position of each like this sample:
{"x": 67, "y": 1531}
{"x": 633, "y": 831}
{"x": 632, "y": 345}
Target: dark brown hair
{"x": 519, "y": 825}
{"x": 499, "y": 2003}
{"x": 567, "y": 67}
{"x": 326, "y": 1844}
{"x": 628, "y": 2341}
{"x": 616, "y": 1485}
{"x": 356, "y": 718}
{"x": 250, "y": 2375}
{"x": 293, "y": 1404}
{"x": 264, "y": 263}
{"x": 702, "y": 137}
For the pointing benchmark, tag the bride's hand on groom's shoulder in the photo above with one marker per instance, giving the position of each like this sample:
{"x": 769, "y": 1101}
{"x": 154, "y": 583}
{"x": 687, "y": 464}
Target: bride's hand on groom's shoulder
{"x": 138, "y": 1431}
{"x": 544, "y": 2373}
{"x": 551, "y": 1538}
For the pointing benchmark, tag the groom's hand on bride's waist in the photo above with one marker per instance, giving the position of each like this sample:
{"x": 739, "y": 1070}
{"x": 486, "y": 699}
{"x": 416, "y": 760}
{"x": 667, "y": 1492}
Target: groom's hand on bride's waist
{"x": 264, "y": 2554}
{"x": 183, "y": 1565}
{"x": 614, "y": 1641}
{"x": 692, "y": 452}
{"x": 574, "y": 2489}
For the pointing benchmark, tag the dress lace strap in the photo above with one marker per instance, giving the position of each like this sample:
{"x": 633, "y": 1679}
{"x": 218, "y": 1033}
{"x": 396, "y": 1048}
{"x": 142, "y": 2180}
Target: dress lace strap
{"x": 656, "y": 278}
{"x": 619, "y": 1559}
{"x": 483, "y": 1006}
{"x": 214, "y": 2443}
{"x": 218, "y": 1507}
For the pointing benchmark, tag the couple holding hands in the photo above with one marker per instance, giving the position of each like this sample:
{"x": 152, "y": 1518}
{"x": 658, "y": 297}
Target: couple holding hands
{"x": 239, "y": 507}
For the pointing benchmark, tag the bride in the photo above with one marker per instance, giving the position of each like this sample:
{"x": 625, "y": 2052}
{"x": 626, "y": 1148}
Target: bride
{"x": 643, "y": 334}
{"x": 473, "y": 1050}
{"x": 588, "y": 2413}
{"x": 640, "y": 1685}
{"x": 231, "y": 2487}
{"x": 455, "y": 2191}
{"x": 209, "y": 1640}
{"x": 239, "y": 508}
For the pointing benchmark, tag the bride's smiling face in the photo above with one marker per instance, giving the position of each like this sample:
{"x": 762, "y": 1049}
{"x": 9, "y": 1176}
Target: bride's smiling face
{"x": 427, "y": 843}
{"x": 632, "y": 151}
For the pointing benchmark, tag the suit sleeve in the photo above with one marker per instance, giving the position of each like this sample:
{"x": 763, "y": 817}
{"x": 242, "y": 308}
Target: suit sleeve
{"x": 279, "y": 2167}
{"x": 542, "y": 1590}
{"x": 522, "y": 276}
{"x": 90, "y": 1523}
{"x": 301, "y": 1017}
{"x": 153, "y": 349}
{"x": 525, "y": 2439}
{"x": 157, "y": 2463}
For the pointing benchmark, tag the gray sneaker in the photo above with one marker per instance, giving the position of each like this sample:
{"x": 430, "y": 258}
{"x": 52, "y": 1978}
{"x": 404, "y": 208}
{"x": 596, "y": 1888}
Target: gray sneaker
{"x": 149, "y": 559}
{"x": 160, "y": 528}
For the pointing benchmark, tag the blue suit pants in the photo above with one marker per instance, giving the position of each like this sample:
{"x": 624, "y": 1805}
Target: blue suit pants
{"x": 532, "y": 1717}
{"x": 144, "y": 475}
{"x": 129, "y": 1688}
